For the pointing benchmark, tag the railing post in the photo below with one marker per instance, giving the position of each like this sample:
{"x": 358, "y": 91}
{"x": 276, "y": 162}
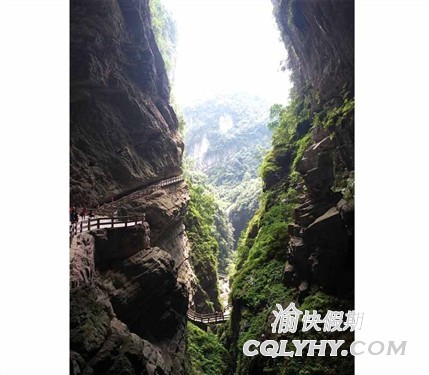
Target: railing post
{"x": 126, "y": 221}
{"x": 98, "y": 223}
{"x": 136, "y": 220}
{"x": 89, "y": 224}
{"x": 112, "y": 222}
{"x": 81, "y": 223}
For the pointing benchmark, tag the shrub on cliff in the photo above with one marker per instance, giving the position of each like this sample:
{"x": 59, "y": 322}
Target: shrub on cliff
{"x": 205, "y": 354}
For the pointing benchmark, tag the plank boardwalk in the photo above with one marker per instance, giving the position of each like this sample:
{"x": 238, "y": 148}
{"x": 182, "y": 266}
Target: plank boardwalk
{"x": 131, "y": 221}
{"x": 105, "y": 222}
{"x": 211, "y": 318}
{"x": 111, "y": 206}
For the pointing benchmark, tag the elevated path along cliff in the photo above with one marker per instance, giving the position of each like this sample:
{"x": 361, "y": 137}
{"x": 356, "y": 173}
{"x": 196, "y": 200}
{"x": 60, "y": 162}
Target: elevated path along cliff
{"x": 104, "y": 215}
{"x": 210, "y": 318}
{"x": 105, "y": 219}
{"x": 119, "y": 201}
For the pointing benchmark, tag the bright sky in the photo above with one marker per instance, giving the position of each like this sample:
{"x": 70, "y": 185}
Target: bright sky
{"x": 227, "y": 46}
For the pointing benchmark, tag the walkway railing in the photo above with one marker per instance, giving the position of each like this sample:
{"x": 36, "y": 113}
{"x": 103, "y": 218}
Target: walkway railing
{"x": 137, "y": 194}
{"x": 108, "y": 208}
{"x": 215, "y": 317}
{"x": 105, "y": 222}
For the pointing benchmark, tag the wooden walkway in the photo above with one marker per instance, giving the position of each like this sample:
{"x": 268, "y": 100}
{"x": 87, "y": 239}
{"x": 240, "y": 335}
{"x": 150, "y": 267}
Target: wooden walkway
{"x": 105, "y": 222}
{"x": 105, "y": 212}
{"x": 131, "y": 221}
{"x": 111, "y": 206}
{"x": 211, "y": 318}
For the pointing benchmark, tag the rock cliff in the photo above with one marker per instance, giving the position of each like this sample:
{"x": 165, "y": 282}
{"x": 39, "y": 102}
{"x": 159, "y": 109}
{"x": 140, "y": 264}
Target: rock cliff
{"x": 129, "y": 286}
{"x": 319, "y": 37}
{"x": 124, "y": 133}
{"x": 299, "y": 247}
{"x": 127, "y": 313}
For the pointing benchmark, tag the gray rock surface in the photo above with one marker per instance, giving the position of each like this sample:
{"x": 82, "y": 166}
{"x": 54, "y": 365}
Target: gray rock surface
{"x": 128, "y": 299}
{"x": 123, "y": 131}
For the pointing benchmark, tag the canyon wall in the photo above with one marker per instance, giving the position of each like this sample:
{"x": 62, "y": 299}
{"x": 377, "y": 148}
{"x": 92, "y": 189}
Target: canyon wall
{"x": 130, "y": 292}
{"x": 299, "y": 247}
{"x": 319, "y": 37}
{"x": 129, "y": 286}
{"x": 123, "y": 130}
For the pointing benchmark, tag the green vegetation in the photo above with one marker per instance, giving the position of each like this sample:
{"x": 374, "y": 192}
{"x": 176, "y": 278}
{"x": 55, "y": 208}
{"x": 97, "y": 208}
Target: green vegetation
{"x": 224, "y": 238}
{"x": 210, "y": 236}
{"x": 205, "y": 354}
{"x": 206, "y": 220}
{"x": 164, "y": 28}
{"x": 290, "y": 138}
{"x": 335, "y": 111}
{"x": 226, "y": 138}
{"x": 261, "y": 253}
{"x": 200, "y": 229}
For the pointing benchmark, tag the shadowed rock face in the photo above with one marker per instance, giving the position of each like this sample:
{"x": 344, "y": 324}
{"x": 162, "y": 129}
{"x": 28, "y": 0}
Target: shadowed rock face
{"x": 130, "y": 311}
{"x": 319, "y": 37}
{"x": 128, "y": 300}
{"x": 319, "y": 246}
{"x": 123, "y": 131}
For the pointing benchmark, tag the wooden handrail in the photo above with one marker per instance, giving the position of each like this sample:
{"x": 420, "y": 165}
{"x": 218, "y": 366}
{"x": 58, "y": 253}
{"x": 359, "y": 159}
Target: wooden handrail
{"x": 116, "y": 221}
{"x": 138, "y": 193}
{"x": 215, "y": 317}
{"x": 105, "y": 222}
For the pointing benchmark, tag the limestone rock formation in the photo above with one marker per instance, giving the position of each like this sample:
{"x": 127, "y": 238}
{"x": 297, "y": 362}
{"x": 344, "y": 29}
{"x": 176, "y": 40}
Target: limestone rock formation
{"x": 317, "y": 35}
{"x": 124, "y": 133}
{"x": 319, "y": 39}
{"x": 130, "y": 311}
{"x": 300, "y": 246}
{"x": 82, "y": 263}
{"x": 129, "y": 286}
{"x": 322, "y": 238}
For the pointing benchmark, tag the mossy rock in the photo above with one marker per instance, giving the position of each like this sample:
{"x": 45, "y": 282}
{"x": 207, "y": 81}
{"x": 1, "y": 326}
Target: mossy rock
{"x": 89, "y": 322}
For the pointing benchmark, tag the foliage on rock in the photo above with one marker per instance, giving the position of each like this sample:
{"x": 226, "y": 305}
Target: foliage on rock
{"x": 226, "y": 138}
{"x": 165, "y": 30}
{"x": 261, "y": 255}
{"x": 210, "y": 235}
{"x": 205, "y": 354}
{"x": 313, "y": 134}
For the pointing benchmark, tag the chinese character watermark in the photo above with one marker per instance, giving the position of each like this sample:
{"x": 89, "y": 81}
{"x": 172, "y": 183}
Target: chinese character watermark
{"x": 286, "y": 320}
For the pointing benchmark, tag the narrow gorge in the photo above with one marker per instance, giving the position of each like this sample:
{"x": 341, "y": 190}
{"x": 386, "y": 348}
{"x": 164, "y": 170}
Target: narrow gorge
{"x": 224, "y": 208}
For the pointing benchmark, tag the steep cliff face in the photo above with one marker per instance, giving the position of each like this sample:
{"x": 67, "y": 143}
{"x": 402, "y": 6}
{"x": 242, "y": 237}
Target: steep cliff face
{"x": 299, "y": 247}
{"x": 129, "y": 286}
{"x": 124, "y": 132}
{"x": 319, "y": 39}
{"x": 129, "y": 293}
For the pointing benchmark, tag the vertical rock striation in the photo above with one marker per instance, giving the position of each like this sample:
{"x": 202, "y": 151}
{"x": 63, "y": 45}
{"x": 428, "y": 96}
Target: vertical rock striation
{"x": 124, "y": 133}
{"x": 319, "y": 37}
{"x": 129, "y": 292}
